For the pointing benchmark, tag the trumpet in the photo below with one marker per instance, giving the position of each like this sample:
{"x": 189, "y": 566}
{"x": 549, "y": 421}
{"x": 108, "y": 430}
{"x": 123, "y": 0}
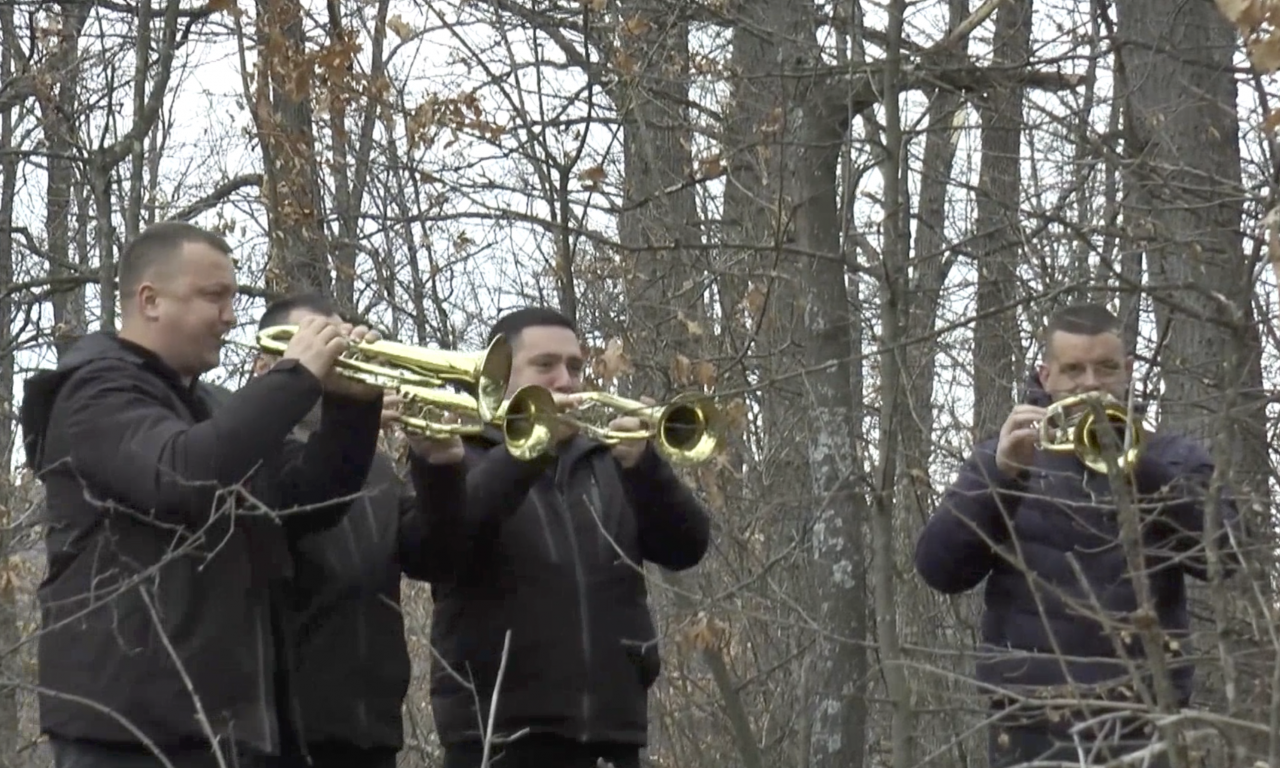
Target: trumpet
{"x": 526, "y": 418}
{"x": 1078, "y": 433}
{"x": 688, "y": 430}
{"x": 391, "y": 365}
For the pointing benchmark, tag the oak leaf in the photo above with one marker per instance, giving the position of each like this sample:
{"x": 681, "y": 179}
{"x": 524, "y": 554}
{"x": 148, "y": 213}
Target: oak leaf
{"x": 636, "y": 26}
{"x": 400, "y": 27}
{"x": 1246, "y": 14}
{"x": 1271, "y": 121}
{"x": 613, "y": 361}
{"x": 1264, "y": 54}
{"x": 681, "y": 370}
{"x": 704, "y": 372}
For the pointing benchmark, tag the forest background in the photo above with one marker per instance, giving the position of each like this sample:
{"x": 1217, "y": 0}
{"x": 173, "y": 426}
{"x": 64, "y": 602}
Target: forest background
{"x": 847, "y": 218}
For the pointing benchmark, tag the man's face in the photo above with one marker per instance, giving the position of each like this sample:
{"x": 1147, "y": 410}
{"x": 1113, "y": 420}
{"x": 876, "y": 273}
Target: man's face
{"x": 1076, "y": 363}
{"x": 549, "y": 356}
{"x": 263, "y": 362}
{"x": 188, "y": 305}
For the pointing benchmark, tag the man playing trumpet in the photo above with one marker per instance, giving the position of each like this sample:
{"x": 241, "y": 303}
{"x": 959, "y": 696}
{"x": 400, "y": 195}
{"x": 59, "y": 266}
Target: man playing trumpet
{"x": 348, "y": 667}
{"x": 553, "y": 552}
{"x": 1044, "y": 531}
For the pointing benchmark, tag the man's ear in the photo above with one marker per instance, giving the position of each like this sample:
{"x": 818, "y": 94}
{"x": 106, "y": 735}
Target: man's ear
{"x": 147, "y": 300}
{"x": 1042, "y": 373}
{"x": 1128, "y": 366}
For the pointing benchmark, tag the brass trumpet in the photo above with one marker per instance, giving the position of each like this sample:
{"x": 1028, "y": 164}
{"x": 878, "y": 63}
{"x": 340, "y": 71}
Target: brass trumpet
{"x": 688, "y": 430}
{"x": 526, "y": 418}
{"x": 1063, "y": 432}
{"x": 392, "y": 365}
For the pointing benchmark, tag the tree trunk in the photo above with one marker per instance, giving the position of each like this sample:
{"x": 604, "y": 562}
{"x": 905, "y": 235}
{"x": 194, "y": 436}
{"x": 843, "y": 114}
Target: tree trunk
{"x": 299, "y": 250}
{"x": 997, "y": 341}
{"x": 1183, "y": 202}
{"x": 58, "y": 107}
{"x": 10, "y": 661}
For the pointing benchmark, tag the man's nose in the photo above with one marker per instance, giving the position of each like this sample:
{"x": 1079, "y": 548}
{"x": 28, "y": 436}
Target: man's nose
{"x": 562, "y": 381}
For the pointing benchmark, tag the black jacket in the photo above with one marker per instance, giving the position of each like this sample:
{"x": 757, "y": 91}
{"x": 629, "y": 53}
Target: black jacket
{"x": 160, "y": 545}
{"x": 553, "y": 553}
{"x": 353, "y": 666}
{"x": 1059, "y": 598}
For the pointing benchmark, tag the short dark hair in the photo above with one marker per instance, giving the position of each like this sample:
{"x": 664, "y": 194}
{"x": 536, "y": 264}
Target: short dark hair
{"x": 511, "y": 324}
{"x": 278, "y": 311}
{"x": 156, "y": 246}
{"x": 1088, "y": 319}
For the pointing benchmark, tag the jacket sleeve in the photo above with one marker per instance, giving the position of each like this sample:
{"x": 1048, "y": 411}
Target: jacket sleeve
{"x": 132, "y": 451}
{"x": 956, "y": 549}
{"x": 319, "y": 478}
{"x": 1175, "y": 485}
{"x": 674, "y": 527}
{"x": 497, "y": 485}
{"x": 432, "y": 516}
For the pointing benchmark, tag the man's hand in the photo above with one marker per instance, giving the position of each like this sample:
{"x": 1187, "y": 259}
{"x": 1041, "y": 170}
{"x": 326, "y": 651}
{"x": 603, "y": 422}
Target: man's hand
{"x": 392, "y": 402}
{"x": 336, "y": 383}
{"x": 442, "y": 449}
{"x": 316, "y": 345}
{"x": 1017, "y": 447}
{"x": 629, "y": 452}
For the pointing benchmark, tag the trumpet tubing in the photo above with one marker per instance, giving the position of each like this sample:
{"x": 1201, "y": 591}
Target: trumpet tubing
{"x": 390, "y": 365}
{"x": 687, "y": 430}
{"x": 1079, "y": 432}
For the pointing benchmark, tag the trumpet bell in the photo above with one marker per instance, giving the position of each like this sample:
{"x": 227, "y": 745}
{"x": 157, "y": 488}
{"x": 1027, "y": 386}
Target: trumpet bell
{"x": 689, "y": 429}
{"x": 686, "y": 431}
{"x": 528, "y": 421}
{"x": 1080, "y": 432}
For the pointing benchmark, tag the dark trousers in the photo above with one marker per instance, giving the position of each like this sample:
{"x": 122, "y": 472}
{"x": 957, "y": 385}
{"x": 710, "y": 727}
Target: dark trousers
{"x": 543, "y": 751}
{"x": 1010, "y": 745}
{"x": 88, "y": 754}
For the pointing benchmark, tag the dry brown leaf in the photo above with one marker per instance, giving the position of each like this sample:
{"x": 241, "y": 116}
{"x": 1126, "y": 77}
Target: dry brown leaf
{"x": 710, "y": 167}
{"x": 593, "y": 5}
{"x": 692, "y": 326}
{"x": 624, "y": 62}
{"x": 705, "y": 633}
{"x": 1271, "y": 121}
{"x": 681, "y": 370}
{"x": 1247, "y": 14}
{"x": 735, "y": 415}
{"x": 704, "y": 372}
{"x": 709, "y": 482}
{"x": 613, "y": 362}
{"x": 754, "y": 301}
{"x": 593, "y": 175}
{"x": 1264, "y": 53}
{"x": 636, "y": 26}
{"x": 400, "y": 27}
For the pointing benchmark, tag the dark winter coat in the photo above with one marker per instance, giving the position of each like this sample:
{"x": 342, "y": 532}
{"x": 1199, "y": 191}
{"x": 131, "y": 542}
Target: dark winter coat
{"x": 1048, "y": 546}
{"x": 553, "y": 552}
{"x": 352, "y": 661}
{"x": 168, "y": 533}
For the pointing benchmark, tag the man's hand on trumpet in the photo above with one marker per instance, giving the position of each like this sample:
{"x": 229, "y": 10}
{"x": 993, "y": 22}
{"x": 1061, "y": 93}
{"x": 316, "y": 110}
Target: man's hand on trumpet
{"x": 436, "y": 450}
{"x": 629, "y": 452}
{"x": 336, "y": 383}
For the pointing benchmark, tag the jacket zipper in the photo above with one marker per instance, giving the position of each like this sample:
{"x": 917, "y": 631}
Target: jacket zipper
{"x": 584, "y": 612}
